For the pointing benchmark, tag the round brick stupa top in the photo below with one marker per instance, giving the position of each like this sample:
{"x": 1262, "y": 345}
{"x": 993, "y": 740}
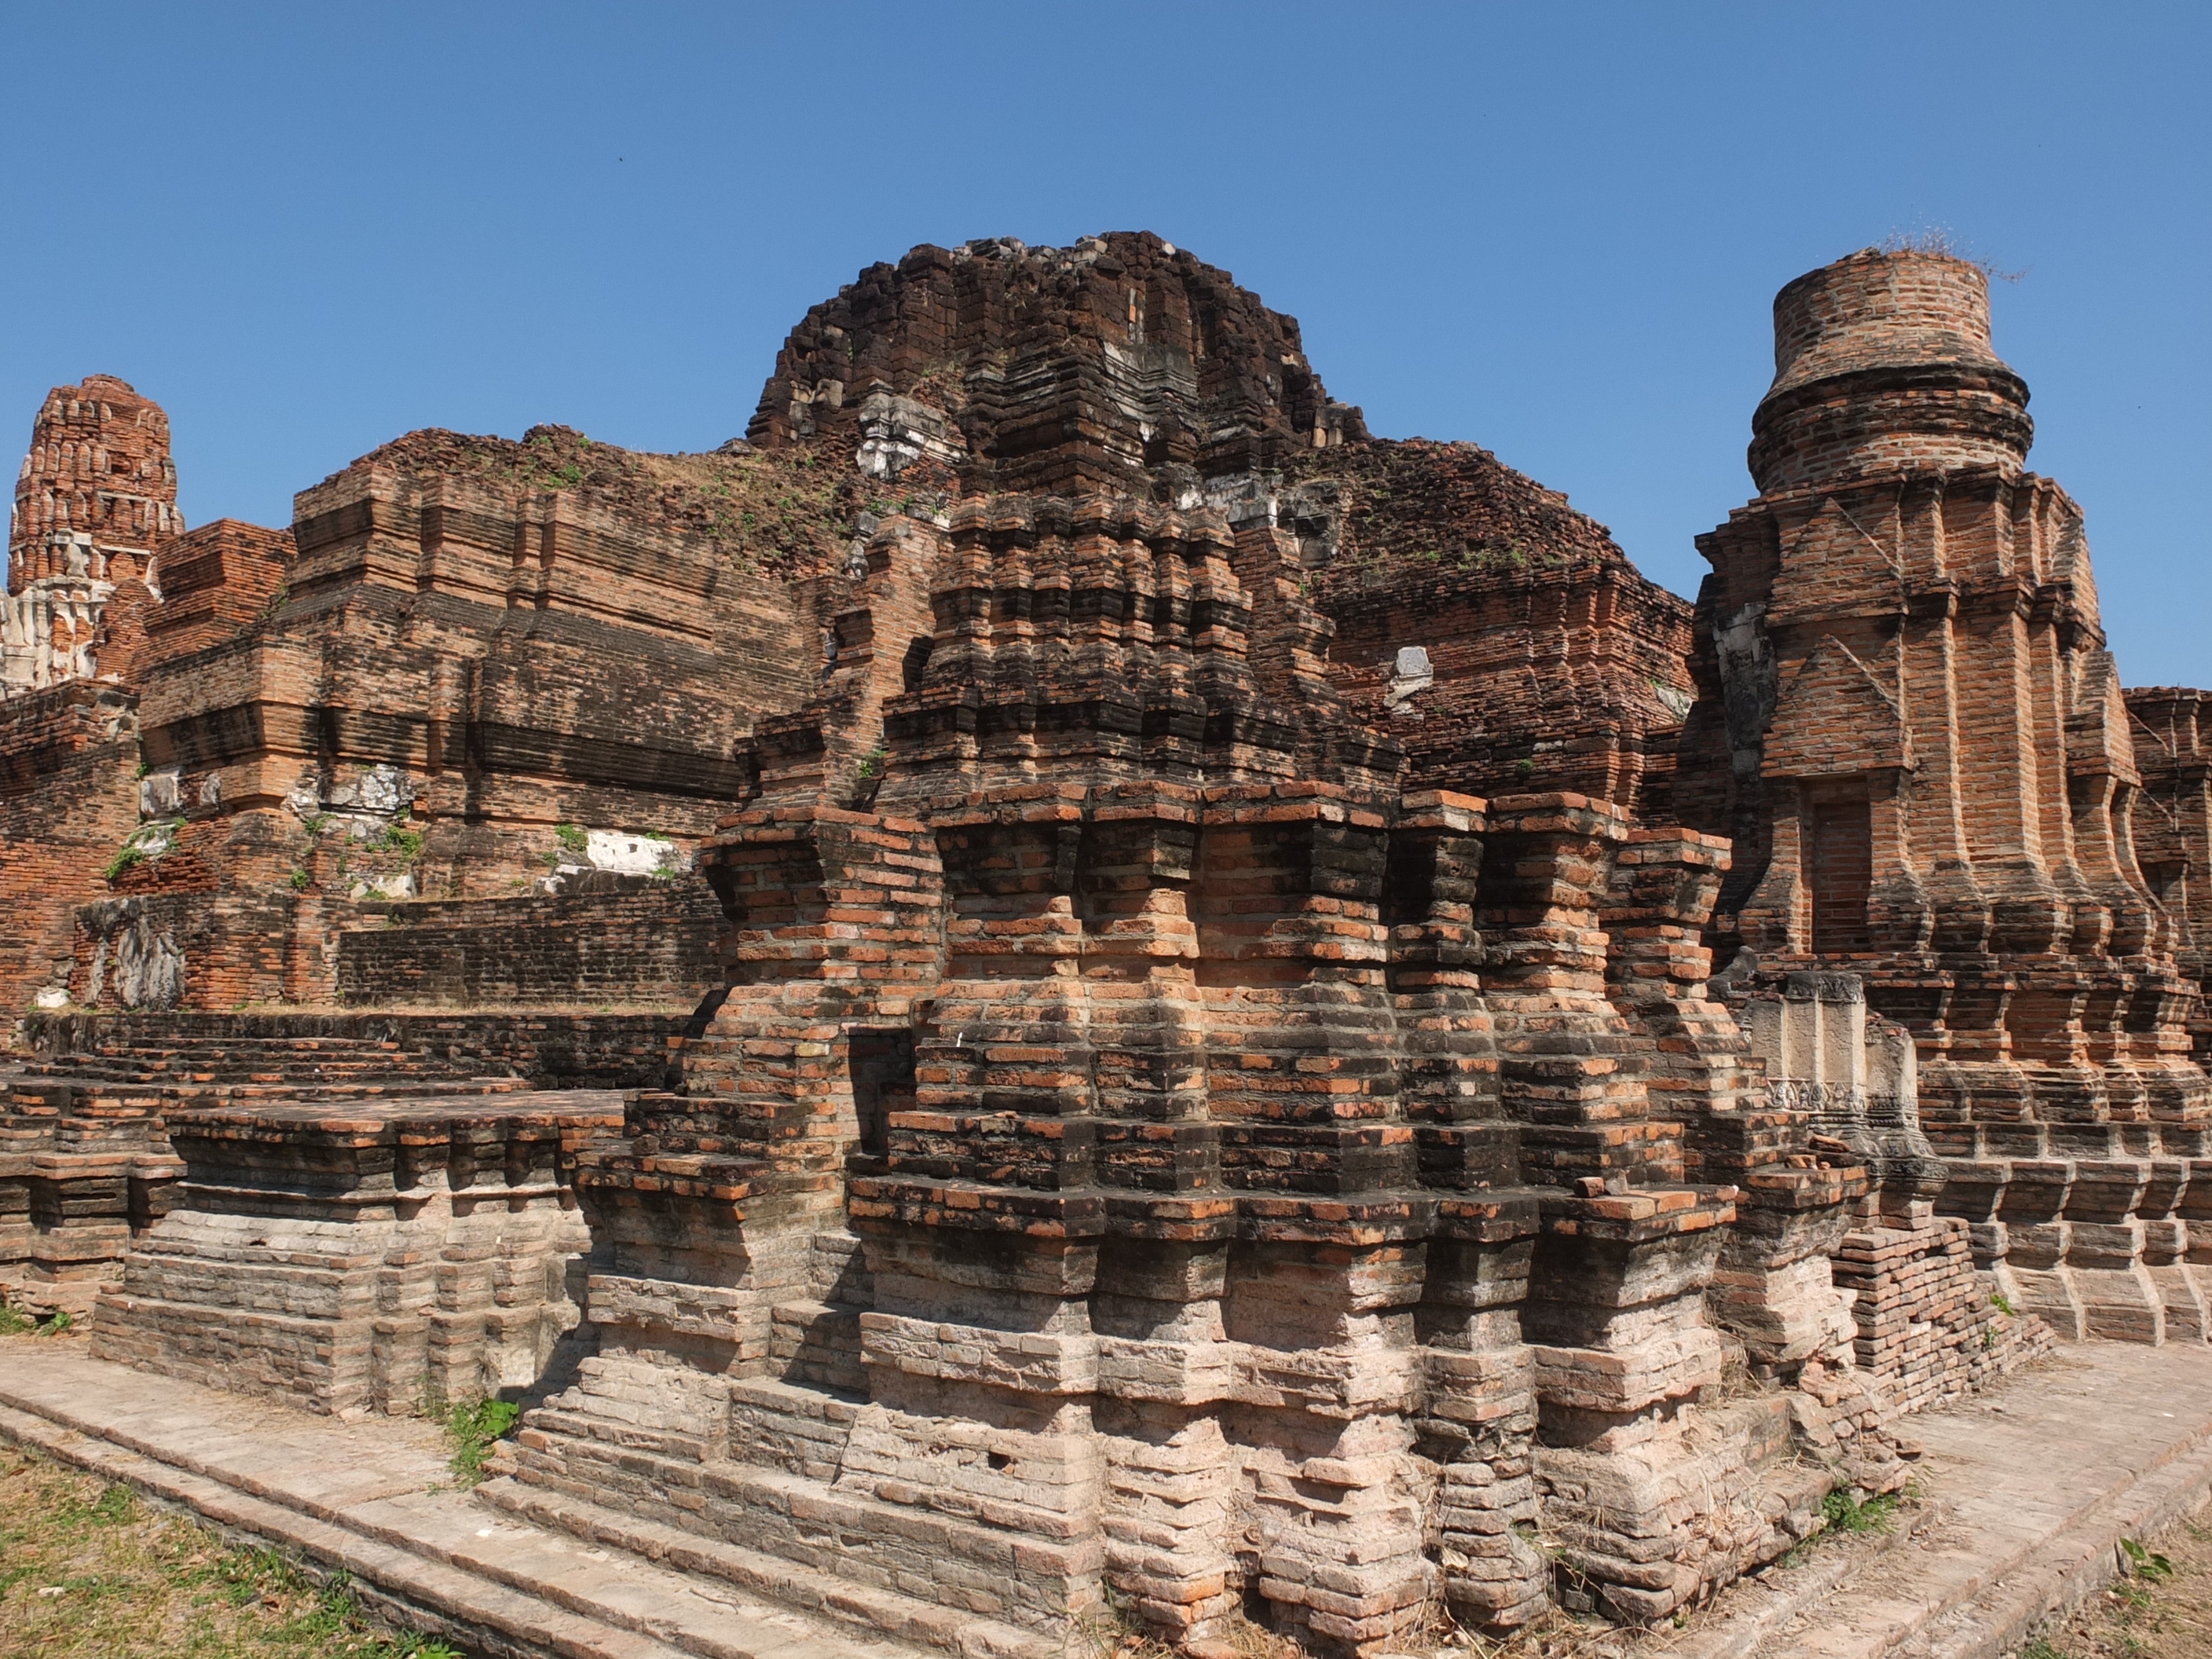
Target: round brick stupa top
{"x": 98, "y": 467}
{"x": 1883, "y": 361}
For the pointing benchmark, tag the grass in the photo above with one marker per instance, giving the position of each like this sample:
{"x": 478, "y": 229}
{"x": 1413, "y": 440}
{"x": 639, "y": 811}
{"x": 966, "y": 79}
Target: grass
{"x": 1845, "y": 1511}
{"x": 147, "y": 841}
{"x": 88, "y": 1568}
{"x": 2161, "y": 1608}
{"x": 14, "y": 1321}
{"x": 473, "y": 1429}
{"x": 2146, "y": 1563}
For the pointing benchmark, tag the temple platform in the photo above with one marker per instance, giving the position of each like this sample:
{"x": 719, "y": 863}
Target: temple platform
{"x": 2025, "y": 1491}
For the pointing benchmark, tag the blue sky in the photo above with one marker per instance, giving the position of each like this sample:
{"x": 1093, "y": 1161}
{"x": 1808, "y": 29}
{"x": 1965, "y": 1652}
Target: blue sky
{"x": 1555, "y": 230}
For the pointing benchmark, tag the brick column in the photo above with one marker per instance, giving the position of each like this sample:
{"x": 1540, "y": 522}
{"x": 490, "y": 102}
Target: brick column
{"x": 1303, "y": 1075}
{"x": 1481, "y": 1395}
{"x": 1772, "y": 1287}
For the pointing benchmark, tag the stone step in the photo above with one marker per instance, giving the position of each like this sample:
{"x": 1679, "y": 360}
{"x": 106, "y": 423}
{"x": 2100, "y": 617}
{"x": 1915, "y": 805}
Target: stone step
{"x": 952, "y": 1578}
{"x": 819, "y": 1343}
{"x": 245, "y": 1067}
{"x": 372, "y": 1498}
{"x": 102, "y": 1097}
{"x": 924, "y": 1623}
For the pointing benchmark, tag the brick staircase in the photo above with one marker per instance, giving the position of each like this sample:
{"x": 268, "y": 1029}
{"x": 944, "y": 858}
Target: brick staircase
{"x": 335, "y": 1048}
{"x": 244, "y": 1067}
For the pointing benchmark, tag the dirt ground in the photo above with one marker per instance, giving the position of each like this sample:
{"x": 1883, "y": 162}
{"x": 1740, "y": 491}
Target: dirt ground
{"x": 88, "y": 1568}
{"x": 2162, "y": 1610}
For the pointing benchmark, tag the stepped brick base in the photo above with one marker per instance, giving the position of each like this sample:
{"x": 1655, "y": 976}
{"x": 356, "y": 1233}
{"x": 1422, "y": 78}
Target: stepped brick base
{"x": 83, "y": 1172}
{"x": 389, "y": 1257}
{"x": 86, "y": 1164}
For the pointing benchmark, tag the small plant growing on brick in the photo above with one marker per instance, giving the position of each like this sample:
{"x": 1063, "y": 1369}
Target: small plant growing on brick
{"x": 871, "y": 764}
{"x": 407, "y": 843}
{"x": 2003, "y": 1303}
{"x": 1845, "y": 1511}
{"x": 474, "y": 1429}
{"x": 14, "y": 1321}
{"x": 299, "y": 878}
{"x": 572, "y": 837}
{"x": 148, "y": 841}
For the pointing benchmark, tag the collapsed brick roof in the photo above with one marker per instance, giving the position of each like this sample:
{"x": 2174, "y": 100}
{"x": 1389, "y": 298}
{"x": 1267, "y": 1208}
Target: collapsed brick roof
{"x": 1122, "y": 362}
{"x": 787, "y": 514}
{"x": 1452, "y": 506}
{"x": 1058, "y": 368}
{"x": 1127, "y": 366}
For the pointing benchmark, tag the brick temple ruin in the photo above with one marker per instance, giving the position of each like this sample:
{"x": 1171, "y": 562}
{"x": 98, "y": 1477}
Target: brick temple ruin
{"x": 1062, "y": 988}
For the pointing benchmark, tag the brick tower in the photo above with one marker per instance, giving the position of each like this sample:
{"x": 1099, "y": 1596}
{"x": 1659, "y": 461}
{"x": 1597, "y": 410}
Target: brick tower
{"x": 1909, "y": 722}
{"x": 97, "y": 495}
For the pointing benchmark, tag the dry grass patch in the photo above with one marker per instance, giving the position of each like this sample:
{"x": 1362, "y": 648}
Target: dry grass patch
{"x": 2161, "y": 1610}
{"x": 88, "y": 1568}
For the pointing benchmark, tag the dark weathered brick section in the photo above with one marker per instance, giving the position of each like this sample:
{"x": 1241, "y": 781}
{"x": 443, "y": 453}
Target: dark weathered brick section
{"x": 1167, "y": 1046}
{"x": 2171, "y": 826}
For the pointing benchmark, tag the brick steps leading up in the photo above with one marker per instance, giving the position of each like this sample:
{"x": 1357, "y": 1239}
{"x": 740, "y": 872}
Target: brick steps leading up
{"x": 926, "y": 1624}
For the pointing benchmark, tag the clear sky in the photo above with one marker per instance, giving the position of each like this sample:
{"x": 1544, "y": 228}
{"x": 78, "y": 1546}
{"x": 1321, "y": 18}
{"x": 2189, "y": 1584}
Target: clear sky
{"x": 1553, "y": 229}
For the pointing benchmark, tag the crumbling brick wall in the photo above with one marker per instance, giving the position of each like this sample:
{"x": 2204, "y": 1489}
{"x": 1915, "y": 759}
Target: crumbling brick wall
{"x": 468, "y": 653}
{"x": 216, "y": 582}
{"x": 653, "y": 944}
{"x": 69, "y": 800}
{"x": 1500, "y": 635}
{"x": 2171, "y": 827}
